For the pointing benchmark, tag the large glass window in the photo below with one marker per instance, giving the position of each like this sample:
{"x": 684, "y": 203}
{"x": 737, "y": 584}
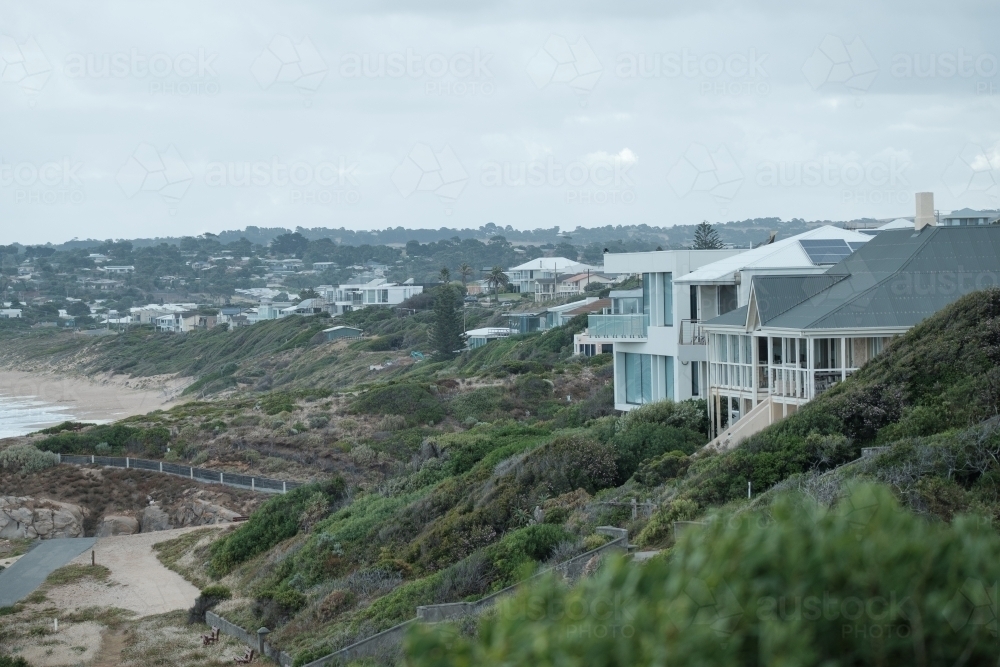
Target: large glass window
{"x": 727, "y": 298}
{"x": 667, "y": 285}
{"x": 638, "y": 378}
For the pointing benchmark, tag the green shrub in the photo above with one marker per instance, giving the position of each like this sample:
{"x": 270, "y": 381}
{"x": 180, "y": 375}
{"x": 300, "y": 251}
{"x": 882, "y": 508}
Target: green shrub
{"x": 26, "y": 459}
{"x": 217, "y": 591}
{"x": 483, "y": 404}
{"x": 276, "y": 403}
{"x": 12, "y": 661}
{"x": 643, "y": 441}
{"x": 532, "y": 389}
{"x": 658, "y": 470}
{"x": 510, "y": 555}
{"x": 865, "y": 584}
{"x": 275, "y": 521}
{"x": 411, "y": 400}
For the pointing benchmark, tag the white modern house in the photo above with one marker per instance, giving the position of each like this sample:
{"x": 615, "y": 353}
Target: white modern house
{"x": 378, "y": 292}
{"x": 646, "y": 342}
{"x": 541, "y": 276}
{"x": 10, "y": 313}
{"x": 659, "y": 342}
{"x": 800, "y": 334}
{"x": 478, "y": 337}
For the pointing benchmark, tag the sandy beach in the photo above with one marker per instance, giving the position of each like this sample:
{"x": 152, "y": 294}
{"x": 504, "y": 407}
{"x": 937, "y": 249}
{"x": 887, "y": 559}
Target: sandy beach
{"x": 45, "y": 399}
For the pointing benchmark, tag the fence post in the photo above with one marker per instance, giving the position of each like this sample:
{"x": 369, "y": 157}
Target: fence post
{"x": 161, "y": 466}
{"x": 220, "y": 479}
{"x": 60, "y": 458}
{"x": 92, "y": 460}
{"x": 252, "y": 485}
{"x": 126, "y": 462}
{"x": 191, "y": 470}
{"x": 284, "y": 487}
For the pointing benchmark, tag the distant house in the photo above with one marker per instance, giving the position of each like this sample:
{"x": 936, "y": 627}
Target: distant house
{"x": 117, "y": 269}
{"x": 578, "y": 283}
{"x": 479, "y": 337}
{"x": 541, "y": 276}
{"x": 324, "y": 266}
{"x": 10, "y": 313}
{"x": 305, "y": 307}
{"x": 966, "y": 216}
{"x": 342, "y": 333}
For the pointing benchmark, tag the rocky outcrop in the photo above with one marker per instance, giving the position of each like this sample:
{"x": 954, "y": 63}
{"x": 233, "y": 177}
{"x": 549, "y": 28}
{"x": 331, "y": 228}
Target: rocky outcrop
{"x": 154, "y": 518}
{"x": 198, "y": 512}
{"x": 112, "y": 525}
{"x": 45, "y": 519}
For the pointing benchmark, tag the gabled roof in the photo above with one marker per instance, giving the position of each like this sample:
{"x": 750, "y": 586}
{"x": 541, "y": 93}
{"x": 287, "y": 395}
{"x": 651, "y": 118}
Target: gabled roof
{"x": 782, "y": 254}
{"x": 896, "y": 280}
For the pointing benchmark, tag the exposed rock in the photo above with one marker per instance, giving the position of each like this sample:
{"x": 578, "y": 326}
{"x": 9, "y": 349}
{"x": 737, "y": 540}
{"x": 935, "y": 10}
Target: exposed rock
{"x": 198, "y": 512}
{"x": 112, "y": 525}
{"x": 154, "y": 518}
{"x": 45, "y": 519}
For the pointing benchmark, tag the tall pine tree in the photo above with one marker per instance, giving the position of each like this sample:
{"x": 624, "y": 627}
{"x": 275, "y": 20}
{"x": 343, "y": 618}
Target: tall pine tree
{"x": 446, "y": 336}
{"x": 706, "y": 238}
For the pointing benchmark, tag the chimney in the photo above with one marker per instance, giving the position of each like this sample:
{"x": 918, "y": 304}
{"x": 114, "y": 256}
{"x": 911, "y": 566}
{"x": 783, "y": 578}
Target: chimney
{"x": 925, "y": 211}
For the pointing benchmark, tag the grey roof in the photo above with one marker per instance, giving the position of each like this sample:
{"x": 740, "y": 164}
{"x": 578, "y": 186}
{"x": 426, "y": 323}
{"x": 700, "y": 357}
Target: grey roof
{"x": 894, "y": 281}
{"x": 736, "y": 317}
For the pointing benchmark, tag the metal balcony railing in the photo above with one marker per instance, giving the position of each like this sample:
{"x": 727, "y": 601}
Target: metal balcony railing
{"x": 692, "y": 333}
{"x": 616, "y": 326}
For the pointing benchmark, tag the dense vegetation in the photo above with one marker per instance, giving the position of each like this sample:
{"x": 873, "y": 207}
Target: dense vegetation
{"x": 463, "y": 475}
{"x": 864, "y": 583}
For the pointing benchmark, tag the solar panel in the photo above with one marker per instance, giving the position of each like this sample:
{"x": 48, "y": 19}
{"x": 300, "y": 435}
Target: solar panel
{"x": 825, "y": 251}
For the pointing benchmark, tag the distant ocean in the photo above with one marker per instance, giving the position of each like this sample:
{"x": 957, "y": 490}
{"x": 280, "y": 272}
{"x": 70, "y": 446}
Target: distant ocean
{"x": 19, "y": 416}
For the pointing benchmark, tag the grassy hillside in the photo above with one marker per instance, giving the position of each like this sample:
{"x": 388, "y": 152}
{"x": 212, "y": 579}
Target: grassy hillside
{"x": 444, "y": 481}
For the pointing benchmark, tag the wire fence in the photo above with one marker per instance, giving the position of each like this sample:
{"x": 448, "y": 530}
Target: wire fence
{"x": 252, "y": 482}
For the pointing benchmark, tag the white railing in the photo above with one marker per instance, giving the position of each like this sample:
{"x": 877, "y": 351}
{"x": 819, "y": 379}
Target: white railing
{"x": 691, "y": 332}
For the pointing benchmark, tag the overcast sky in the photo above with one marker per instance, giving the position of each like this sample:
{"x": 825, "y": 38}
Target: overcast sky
{"x": 126, "y": 119}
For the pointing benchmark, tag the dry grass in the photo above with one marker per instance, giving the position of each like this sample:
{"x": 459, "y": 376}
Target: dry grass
{"x": 71, "y": 574}
{"x": 168, "y": 640}
{"x": 188, "y": 554}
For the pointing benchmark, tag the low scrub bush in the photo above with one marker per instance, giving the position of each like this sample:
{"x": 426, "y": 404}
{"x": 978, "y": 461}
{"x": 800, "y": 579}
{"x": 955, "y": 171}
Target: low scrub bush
{"x": 275, "y": 521}
{"x": 805, "y": 585}
{"x": 413, "y": 401}
{"x": 26, "y": 459}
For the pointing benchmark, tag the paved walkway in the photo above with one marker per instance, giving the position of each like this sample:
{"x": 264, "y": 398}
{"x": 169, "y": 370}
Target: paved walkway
{"x": 29, "y": 571}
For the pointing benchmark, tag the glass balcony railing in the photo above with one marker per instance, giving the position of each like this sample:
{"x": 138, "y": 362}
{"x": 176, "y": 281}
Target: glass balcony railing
{"x": 616, "y": 326}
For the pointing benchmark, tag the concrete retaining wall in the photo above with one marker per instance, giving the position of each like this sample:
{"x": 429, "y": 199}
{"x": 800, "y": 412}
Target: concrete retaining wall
{"x": 265, "y": 484}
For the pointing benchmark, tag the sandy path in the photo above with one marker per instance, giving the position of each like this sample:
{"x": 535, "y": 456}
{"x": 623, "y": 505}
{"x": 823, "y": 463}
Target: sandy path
{"x": 99, "y": 398}
{"x": 139, "y": 582}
